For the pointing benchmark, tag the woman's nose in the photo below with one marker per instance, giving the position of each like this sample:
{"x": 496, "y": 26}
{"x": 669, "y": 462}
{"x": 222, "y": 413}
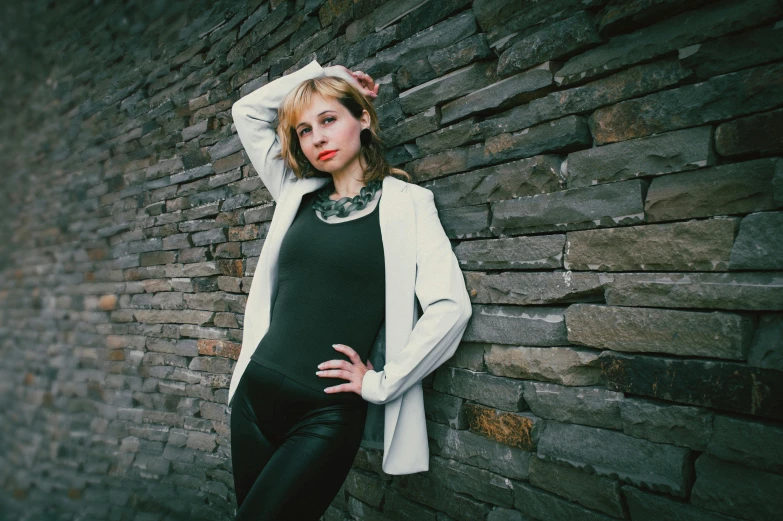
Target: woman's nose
{"x": 318, "y": 136}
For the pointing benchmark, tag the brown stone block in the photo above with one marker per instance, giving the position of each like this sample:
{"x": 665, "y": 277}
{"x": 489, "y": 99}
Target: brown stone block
{"x": 232, "y": 268}
{"x": 243, "y": 233}
{"x": 223, "y": 348}
{"x": 107, "y": 302}
{"x": 512, "y": 429}
{"x": 116, "y": 355}
{"x": 97, "y": 254}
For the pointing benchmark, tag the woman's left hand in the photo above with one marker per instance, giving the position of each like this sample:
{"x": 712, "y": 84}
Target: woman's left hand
{"x": 352, "y": 371}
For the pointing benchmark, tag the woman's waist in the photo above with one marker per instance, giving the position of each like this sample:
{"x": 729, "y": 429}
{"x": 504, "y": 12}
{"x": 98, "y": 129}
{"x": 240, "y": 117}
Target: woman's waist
{"x": 315, "y": 339}
{"x": 308, "y": 383}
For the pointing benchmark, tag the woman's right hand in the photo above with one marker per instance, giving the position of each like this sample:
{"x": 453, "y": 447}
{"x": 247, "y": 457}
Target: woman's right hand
{"x": 363, "y": 82}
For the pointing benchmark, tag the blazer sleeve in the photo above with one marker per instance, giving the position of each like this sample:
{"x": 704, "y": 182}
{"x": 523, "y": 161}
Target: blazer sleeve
{"x": 253, "y": 116}
{"x": 440, "y": 288}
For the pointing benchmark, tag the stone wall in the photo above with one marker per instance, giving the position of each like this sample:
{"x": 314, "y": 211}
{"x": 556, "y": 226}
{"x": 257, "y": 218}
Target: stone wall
{"x": 609, "y": 173}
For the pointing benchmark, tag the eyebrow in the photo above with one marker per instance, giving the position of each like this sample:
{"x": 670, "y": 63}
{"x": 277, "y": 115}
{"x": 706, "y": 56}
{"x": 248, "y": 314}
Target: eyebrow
{"x": 324, "y": 112}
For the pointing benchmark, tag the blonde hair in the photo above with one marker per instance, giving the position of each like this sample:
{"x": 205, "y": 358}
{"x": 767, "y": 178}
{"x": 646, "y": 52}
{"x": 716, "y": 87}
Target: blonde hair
{"x": 353, "y": 100}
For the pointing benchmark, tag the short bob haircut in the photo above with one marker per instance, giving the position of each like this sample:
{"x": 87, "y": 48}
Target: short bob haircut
{"x": 330, "y": 87}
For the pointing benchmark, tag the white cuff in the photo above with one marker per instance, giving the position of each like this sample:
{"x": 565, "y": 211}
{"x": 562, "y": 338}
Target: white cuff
{"x": 371, "y": 386}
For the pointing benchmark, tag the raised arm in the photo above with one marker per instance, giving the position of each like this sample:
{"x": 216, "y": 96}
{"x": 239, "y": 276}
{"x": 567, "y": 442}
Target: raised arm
{"x": 440, "y": 288}
{"x": 253, "y": 116}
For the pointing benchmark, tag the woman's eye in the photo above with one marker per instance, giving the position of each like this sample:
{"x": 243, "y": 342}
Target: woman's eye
{"x": 327, "y": 118}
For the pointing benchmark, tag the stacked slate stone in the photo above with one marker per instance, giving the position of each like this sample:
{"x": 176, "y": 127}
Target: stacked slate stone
{"x": 610, "y": 174}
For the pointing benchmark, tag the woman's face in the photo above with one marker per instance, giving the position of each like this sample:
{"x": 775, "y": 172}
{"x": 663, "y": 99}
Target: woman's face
{"x": 327, "y": 125}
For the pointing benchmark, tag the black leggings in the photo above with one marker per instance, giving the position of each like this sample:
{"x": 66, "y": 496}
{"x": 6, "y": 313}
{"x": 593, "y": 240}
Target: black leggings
{"x": 291, "y": 446}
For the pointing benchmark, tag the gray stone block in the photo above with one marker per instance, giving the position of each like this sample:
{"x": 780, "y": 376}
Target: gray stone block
{"x": 519, "y": 88}
{"x": 533, "y": 252}
{"x": 759, "y": 243}
{"x": 661, "y": 154}
{"x": 448, "y": 137}
{"x": 732, "y": 290}
{"x": 626, "y": 84}
{"x": 370, "y": 44}
{"x": 364, "y": 487}
{"x": 655, "y": 466}
{"x": 717, "y": 99}
{"x": 534, "y": 175}
{"x": 211, "y": 364}
{"x": 538, "y": 504}
{"x": 589, "y": 490}
{"x": 736, "y": 490}
{"x": 571, "y": 36}
{"x": 389, "y": 114}
{"x": 412, "y": 127}
{"x": 395, "y": 506}
{"x": 478, "y": 451}
{"x": 448, "y": 87}
{"x": 651, "y": 330}
{"x": 685, "y": 246}
{"x": 425, "y": 490}
{"x": 611, "y": 204}
{"x": 752, "y": 443}
{"x": 481, "y": 387}
{"x": 556, "y": 287}
{"x": 437, "y": 165}
{"x": 754, "y": 134}
{"x": 421, "y": 44}
{"x": 535, "y": 326}
{"x": 727, "y": 386}
{"x": 767, "y": 348}
{"x": 469, "y": 355}
{"x": 160, "y": 316}
{"x": 562, "y": 365}
{"x": 505, "y": 514}
{"x": 730, "y": 52}
{"x": 685, "y": 29}
{"x": 592, "y": 406}
{"x": 460, "y": 54}
{"x": 644, "y": 506}
{"x": 480, "y": 484}
{"x": 738, "y": 188}
{"x": 465, "y": 222}
{"x": 490, "y": 13}
{"x": 444, "y": 408}
{"x": 561, "y": 135}
{"x": 681, "y": 425}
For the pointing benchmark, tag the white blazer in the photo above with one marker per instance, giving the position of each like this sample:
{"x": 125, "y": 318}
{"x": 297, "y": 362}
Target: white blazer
{"x": 420, "y": 266}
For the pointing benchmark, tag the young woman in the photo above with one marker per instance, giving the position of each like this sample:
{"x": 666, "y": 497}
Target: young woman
{"x": 349, "y": 252}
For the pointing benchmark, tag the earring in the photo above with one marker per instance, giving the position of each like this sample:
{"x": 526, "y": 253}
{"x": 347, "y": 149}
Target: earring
{"x": 366, "y": 136}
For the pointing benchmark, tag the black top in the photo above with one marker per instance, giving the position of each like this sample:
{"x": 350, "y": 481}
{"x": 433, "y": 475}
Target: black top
{"x": 331, "y": 290}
